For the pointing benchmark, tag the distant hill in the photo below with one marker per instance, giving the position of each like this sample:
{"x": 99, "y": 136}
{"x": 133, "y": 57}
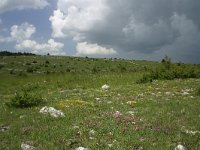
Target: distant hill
{"x": 7, "y": 53}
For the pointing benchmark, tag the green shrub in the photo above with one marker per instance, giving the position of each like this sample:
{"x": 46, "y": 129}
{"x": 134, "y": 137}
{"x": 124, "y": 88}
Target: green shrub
{"x": 22, "y": 74}
{"x": 145, "y": 79}
{"x": 30, "y": 69}
{"x": 28, "y": 64}
{"x": 35, "y": 62}
{"x": 24, "y": 99}
{"x": 169, "y": 71}
{"x": 12, "y": 71}
{"x": 167, "y": 62}
{"x": 1, "y": 66}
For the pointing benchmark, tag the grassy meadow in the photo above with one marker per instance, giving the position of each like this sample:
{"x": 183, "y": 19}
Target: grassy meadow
{"x": 158, "y": 112}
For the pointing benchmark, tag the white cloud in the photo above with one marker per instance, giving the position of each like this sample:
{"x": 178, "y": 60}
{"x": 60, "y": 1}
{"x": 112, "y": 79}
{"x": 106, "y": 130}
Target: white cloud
{"x": 19, "y": 33}
{"x": 85, "y": 48}
{"x": 52, "y": 47}
{"x": 8, "y": 5}
{"x": 22, "y": 32}
{"x": 75, "y": 16}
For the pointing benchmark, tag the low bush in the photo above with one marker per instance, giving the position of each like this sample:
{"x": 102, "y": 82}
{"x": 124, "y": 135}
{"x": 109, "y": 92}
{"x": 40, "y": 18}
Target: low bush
{"x": 1, "y": 66}
{"x": 22, "y": 74}
{"x": 24, "y": 99}
{"x": 170, "y": 71}
{"x": 35, "y": 62}
{"x": 30, "y": 69}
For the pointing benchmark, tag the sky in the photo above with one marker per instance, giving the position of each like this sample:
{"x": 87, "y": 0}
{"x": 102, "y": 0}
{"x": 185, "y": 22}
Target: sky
{"x": 132, "y": 29}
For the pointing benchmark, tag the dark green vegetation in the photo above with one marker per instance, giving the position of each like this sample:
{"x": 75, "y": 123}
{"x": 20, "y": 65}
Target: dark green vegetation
{"x": 7, "y": 53}
{"x": 170, "y": 71}
{"x": 156, "y": 115}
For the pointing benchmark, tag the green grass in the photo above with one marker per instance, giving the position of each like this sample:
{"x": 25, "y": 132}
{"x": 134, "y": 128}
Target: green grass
{"x": 163, "y": 112}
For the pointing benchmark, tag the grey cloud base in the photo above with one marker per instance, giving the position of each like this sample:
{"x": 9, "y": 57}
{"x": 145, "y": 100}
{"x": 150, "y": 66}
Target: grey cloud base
{"x": 143, "y": 28}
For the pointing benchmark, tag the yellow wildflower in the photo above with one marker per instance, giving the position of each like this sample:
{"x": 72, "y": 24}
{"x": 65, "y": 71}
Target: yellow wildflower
{"x": 68, "y": 103}
{"x": 131, "y": 103}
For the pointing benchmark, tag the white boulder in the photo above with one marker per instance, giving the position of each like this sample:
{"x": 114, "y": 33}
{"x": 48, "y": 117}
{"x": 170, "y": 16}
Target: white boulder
{"x": 52, "y": 112}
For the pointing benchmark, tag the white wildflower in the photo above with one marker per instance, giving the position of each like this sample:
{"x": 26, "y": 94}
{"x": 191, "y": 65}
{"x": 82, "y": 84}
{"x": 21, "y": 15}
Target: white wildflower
{"x": 52, "y": 112}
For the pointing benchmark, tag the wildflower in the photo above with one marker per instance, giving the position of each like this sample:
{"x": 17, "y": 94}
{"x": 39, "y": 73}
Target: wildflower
{"x": 131, "y": 103}
{"x": 117, "y": 114}
{"x": 52, "y": 112}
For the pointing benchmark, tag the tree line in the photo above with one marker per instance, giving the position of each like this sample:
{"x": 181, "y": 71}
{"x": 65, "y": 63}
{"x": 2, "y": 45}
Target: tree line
{"x": 7, "y": 53}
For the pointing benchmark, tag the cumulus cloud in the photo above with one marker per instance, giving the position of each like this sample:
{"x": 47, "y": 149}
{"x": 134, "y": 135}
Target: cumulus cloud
{"x": 22, "y": 36}
{"x": 146, "y": 26}
{"x": 8, "y": 5}
{"x": 19, "y": 33}
{"x": 85, "y": 48}
{"x": 22, "y": 32}
{"x": 75, "y": 16}
{"x": 52, "y": 47}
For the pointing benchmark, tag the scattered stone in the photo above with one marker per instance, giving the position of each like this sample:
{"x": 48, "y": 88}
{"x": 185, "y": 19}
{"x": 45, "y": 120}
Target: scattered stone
{"x": 21, "y": 117}
{"x": 81, "y": 148}
{"x": 109, "y": 102}
{"x": 180, "y": 147}
{"x": 97, "y": 99}
{"x": 92, "y": 133}
{"x": 105, "y": 87}
{"x": 192, "y": 132}
{"x": 131, "y": 113}
{"x": 110, "y": 145}
{"x": 75, "y": 127}
{"x": 4, "y": 128}
{"x": 185, "y": 93}
{"x": 52, "y": 112}
{"x": 25, "y": 146}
